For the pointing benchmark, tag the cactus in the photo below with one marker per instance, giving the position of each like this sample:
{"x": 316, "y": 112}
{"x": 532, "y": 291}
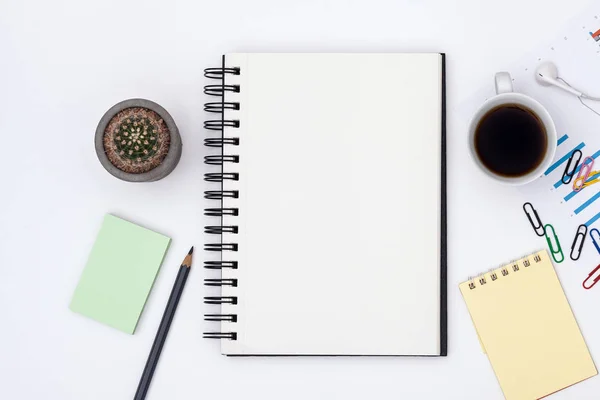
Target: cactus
{"x": 136, "y": 140}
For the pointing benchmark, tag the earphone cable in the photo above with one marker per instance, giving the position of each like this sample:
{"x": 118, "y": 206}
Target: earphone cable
{"x": 582, "y": 97}
{"x": 590, "y": 97}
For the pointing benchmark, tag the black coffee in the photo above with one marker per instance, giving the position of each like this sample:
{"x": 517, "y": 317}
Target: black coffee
{"x": 510, "y": 140}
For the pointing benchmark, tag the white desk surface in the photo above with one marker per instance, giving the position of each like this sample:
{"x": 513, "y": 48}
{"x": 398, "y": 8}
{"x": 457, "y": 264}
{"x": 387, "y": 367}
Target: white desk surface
{"x": 64, "y": 62}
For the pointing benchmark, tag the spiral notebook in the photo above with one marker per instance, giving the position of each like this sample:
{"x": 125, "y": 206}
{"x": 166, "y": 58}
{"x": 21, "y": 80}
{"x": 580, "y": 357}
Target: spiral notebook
{"x": 328, "y": 194}
{"x": 527, "y": 329}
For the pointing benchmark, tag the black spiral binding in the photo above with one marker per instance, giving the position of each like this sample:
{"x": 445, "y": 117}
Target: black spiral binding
{"x": 219, "y": 125}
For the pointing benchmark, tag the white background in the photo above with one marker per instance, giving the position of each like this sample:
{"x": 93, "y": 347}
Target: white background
{"x": 64, "y": 63}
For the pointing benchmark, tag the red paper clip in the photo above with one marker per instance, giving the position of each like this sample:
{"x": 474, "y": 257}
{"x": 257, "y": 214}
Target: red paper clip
{"x": 589, "y": 276}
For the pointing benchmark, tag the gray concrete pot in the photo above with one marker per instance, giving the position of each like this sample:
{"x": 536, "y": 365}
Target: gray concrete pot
{"x": 167, "y": 165}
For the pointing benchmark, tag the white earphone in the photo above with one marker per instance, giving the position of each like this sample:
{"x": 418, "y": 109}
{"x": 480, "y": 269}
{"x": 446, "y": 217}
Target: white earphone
{"x": 547, "y": 74}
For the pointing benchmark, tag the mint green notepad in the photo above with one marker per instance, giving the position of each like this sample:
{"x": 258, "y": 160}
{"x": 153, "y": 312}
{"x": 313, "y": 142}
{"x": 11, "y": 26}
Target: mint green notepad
{"x": 119, "y": 273}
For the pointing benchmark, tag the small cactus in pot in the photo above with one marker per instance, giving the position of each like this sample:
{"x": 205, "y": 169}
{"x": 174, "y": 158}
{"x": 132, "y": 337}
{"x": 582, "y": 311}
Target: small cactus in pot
{"x": 137, "y": 141}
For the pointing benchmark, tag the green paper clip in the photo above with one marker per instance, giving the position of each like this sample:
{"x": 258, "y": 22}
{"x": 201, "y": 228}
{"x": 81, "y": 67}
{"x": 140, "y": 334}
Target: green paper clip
{"x": 554, "y": 251}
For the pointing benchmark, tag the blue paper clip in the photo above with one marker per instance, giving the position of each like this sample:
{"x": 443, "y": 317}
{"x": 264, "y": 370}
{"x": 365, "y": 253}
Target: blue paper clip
{"x": 553, "y": 250}
{"x": 594, "y": 240}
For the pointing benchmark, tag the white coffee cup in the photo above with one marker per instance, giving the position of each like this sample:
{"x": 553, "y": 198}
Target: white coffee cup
{"x": 505, "y": 95}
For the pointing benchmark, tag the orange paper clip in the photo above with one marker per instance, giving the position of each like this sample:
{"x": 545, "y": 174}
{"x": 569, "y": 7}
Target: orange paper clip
{"x": 592, "y": 179}
{"x": 596, "y": 279}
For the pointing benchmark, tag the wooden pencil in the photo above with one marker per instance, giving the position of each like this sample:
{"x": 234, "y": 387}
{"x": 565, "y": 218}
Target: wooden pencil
{"x": 163, "y": 328}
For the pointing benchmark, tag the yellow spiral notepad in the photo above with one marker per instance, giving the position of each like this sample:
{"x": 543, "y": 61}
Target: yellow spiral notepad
{"x": 527, "y": 328}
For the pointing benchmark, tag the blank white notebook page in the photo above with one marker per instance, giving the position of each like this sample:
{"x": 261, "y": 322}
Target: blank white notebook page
{"x": 339, "y": 204}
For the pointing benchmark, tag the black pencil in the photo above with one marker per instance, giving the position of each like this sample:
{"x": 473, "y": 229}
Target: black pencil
{"x": 163, "y": 329}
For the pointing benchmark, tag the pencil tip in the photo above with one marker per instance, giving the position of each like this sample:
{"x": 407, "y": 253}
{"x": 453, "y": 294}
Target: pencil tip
{"x": 191, "y": 250}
